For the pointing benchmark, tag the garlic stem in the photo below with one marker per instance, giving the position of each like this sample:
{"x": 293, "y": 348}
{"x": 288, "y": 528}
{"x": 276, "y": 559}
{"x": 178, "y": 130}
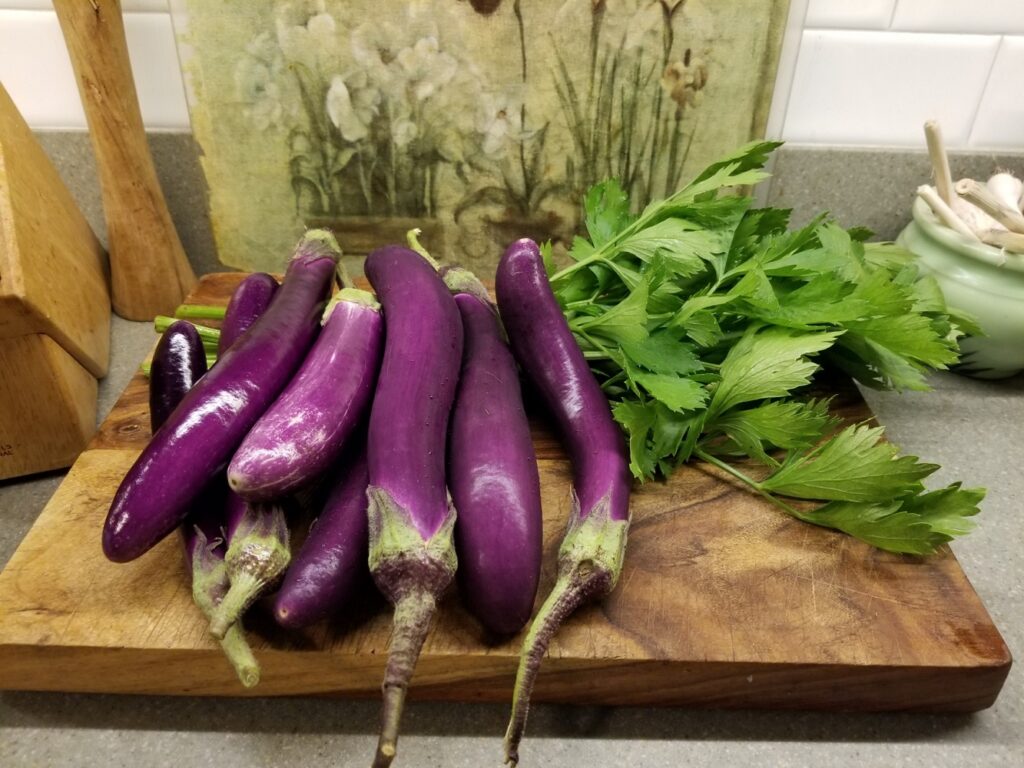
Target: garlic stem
{"x": 944, "y": 213}
{"x": 1010, "y": 241}
{"x": 983, "y": 198}
{"x": 940, "y": 161}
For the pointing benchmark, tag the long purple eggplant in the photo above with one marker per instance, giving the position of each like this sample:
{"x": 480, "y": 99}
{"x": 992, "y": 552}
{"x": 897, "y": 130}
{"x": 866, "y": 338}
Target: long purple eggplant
{"x": 203, "y": 432}
{"x": 331, "y": 564}
{"x": 304, "y": 432}
{"x": 412, "y": 556}
{"x": 591, "y": 554}
{"x": 178, "y": 362}
{"x": 248, "y": 302}
{"x": 492, "y": 470}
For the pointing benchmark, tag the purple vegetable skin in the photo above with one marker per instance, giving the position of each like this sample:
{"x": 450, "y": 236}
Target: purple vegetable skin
{"x": 249, "y": 301}
{"x": 330, "y": 566}
{"x": 200, "y": 436}
{"x": 304, "y": 432}
{"x": 492, "y": 471}
{"x": 590, "y": 556}
{"x": 412, "y": 558}
{"x": 178, "y": 362}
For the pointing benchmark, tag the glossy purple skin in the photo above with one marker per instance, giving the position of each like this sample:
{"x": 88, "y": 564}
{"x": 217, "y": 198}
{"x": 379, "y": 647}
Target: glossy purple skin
{"x": 198, "y": 439}
{"x": 493, "y": 479}
{"x": 249, "y": 300}
{"x": 331, "y": 564}
{"x": 305, "y": 431}
{"x": 178, "y": 362}
{"x": 545, "y": 348}
{"x": 416, "y": 387}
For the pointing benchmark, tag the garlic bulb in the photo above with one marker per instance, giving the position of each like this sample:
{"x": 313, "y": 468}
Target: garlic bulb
{"x": 1008, "y": 188}
{"x": 975, "y": 218}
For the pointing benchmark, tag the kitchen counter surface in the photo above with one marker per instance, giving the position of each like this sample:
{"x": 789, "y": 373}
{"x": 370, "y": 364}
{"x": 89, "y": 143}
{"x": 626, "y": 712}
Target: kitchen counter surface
{"x": 972, "y": 428}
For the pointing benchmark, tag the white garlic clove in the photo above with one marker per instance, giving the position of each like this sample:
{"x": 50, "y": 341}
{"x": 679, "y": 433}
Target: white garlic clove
{"x": 1008, "y": 188}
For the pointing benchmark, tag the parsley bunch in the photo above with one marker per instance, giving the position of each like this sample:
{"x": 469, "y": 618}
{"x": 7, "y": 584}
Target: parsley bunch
{"x": 704, "y": 320}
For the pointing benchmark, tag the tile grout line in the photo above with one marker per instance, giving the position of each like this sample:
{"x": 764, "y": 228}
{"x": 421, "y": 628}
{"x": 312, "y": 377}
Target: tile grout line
{"x": 984, "y": 90}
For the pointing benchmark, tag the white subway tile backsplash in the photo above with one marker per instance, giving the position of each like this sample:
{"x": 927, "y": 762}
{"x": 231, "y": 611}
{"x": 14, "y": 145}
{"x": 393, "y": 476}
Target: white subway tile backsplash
{"x": 999, "y": 17}
{"x": 879, "y": 87}
{"x": 157, "y": 71}
{"x": 865, "y": 14}
{"x": 36, "y": 71}
{"x": 1000, "y": 119}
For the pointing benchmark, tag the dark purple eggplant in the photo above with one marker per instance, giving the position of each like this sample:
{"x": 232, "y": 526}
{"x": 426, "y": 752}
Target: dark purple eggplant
{"x": 590, "y": 556}
{"x": 203, "y": 432}
{"x": 494, "y": 482}
{"x": 178, "y": 362}
{"x": 304, "y": 432}
{"x": 412, "y": 557}
{"x": 331, "y": 564}
{"x": 249, "y": 301}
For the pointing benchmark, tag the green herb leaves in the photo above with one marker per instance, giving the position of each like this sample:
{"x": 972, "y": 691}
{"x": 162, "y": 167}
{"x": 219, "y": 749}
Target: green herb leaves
{"x": 705, "y": 320}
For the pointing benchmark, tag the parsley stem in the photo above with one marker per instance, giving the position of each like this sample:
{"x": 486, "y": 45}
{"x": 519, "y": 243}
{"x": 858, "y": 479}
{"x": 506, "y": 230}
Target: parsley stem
{"x": 754, "y": 485}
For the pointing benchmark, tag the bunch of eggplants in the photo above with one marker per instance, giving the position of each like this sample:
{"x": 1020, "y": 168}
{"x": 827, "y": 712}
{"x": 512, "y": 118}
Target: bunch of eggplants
{"x": 403, "y": 406}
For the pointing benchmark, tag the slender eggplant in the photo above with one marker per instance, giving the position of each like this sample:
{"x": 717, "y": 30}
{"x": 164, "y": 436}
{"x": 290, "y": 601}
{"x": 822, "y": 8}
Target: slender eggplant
{"x": 494, "y": 483}
{"x": 590, "y": 556}
{"x": 412, "y": 556}
{"x": 198, "y": 439}
{"x": 249, "y": 301}
{"x": 332, "y": 561}
{"x": 304, "y": 432}
{"x": 178, "y": 363}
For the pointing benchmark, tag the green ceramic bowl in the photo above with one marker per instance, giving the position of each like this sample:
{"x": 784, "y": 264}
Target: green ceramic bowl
{"x": 978, "y": 279}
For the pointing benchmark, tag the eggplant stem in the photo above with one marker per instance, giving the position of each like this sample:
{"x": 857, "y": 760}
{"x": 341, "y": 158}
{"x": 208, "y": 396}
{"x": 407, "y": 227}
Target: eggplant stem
{"x": 566, "y": 596}
{"x": 414, "y": 613}
{"x": 236, "y": 649}
{"x": 245, "y": 588}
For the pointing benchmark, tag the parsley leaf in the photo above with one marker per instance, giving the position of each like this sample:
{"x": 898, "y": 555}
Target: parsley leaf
{"x": 704, "y": 320}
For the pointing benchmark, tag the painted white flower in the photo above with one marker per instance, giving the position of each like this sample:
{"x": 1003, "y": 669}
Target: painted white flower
{"x": 498, "y": 120}
{"x": 403, "y": 131}
{"x": 312, "y": 43}
{"x": 426, "y": 67}
{"x": 340, "y": 109}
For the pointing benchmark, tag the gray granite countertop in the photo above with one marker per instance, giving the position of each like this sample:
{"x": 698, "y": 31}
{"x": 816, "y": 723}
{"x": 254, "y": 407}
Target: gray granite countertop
{"x": 972, "y": 428}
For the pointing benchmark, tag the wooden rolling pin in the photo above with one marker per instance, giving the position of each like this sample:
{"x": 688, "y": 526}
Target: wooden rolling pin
{"x": 150, "y": 274}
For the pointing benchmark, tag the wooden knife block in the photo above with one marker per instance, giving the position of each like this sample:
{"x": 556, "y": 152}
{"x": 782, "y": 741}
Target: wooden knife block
{"x": 54, "y": 309}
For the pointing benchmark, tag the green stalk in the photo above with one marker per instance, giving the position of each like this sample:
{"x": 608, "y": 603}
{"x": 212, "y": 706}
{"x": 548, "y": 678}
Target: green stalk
{"x": 162, "y": 322}
{"x": 200, "y": 312}
{"x": 753, "y": 485}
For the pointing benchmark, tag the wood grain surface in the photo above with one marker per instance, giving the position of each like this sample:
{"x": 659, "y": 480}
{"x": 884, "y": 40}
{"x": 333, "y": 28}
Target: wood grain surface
{"x": 150, "y": 273}
{"x": 723, "y": 602}
{"x": 52, "y": 268}
{"x": 47, "y": 406}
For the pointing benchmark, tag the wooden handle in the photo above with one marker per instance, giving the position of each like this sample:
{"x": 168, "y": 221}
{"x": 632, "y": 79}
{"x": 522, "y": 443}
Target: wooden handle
{"x": 150, "y": 274}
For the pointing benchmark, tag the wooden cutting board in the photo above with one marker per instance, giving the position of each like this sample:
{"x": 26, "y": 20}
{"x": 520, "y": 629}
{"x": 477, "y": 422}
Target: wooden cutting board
{"x": 723, "y": 602}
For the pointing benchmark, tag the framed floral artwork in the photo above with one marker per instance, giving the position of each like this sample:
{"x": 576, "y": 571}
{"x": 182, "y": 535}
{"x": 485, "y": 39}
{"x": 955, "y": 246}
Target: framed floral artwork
{"x": 478, "y": 121}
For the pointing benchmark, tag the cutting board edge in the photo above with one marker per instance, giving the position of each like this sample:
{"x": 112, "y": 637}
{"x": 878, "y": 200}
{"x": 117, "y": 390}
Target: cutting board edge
{"x": 686, "y": 683}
